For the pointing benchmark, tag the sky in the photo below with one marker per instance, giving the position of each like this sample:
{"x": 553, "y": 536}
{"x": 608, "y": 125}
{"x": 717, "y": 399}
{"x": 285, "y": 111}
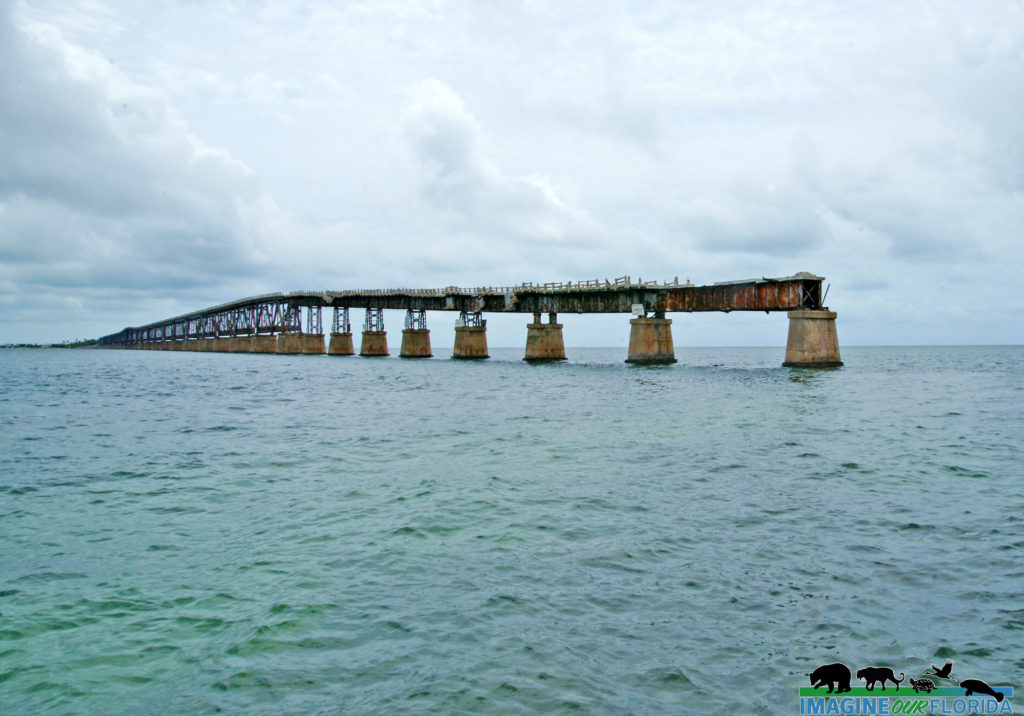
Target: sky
{"x": 159, "y": 157}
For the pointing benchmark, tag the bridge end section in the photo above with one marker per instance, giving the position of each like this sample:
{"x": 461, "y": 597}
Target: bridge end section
{"x": 813, "y": 341}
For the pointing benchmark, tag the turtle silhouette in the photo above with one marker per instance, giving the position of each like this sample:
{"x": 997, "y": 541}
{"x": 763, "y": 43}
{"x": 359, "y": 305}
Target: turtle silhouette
{"x": 925, "y": 685}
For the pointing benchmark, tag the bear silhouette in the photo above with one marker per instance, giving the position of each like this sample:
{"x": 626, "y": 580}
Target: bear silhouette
{"x": 832, "y": 674}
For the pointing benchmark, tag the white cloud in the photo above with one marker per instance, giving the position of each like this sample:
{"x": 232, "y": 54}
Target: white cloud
{"x": 446, "y": 140}
{"x": 195, "y": 152}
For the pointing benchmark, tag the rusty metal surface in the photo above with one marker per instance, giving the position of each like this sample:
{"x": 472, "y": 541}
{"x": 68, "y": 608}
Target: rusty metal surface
{"x": 280, "y": 312}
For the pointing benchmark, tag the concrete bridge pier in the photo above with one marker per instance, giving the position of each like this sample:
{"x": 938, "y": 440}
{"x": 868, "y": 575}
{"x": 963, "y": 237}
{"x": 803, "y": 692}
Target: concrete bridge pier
{"x": 650, "y": 340}
{"x": 470, "y": 337}
{"x": 341, "y": 345}
{"x": 266, "y": 343}
{"x": 812, "y": 341}
{"x": 341, "y": 334}
{"x": 375, "y": 338}
{"x": 416, "y": 335}
{"x": 298, "y": 343}
{"x": 544, "y": 342}
{"x": 287, "y": 343}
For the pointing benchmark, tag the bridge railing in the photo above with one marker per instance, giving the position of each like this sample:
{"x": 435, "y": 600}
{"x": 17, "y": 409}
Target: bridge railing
{"x": 622, "y": 282}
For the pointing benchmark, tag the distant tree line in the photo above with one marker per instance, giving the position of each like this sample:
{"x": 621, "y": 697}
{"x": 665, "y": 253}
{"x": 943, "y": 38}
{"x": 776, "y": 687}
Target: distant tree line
{"x": 84, "y": 343}
{"x": 81, "y": 343}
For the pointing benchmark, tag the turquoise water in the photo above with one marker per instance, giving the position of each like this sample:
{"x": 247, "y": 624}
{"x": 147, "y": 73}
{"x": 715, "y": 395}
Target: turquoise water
{"x": 201, "y": 533}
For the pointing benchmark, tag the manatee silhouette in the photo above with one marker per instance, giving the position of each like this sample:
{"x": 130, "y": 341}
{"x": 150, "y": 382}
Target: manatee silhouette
{"x": 831, "y": 674}
{"x": 979, "y": 686}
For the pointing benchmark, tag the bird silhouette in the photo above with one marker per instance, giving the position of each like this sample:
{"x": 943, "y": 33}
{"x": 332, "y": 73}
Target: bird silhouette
{"x": 942, "y": 673}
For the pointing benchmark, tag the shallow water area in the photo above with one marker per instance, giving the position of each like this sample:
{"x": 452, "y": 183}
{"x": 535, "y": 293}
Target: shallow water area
{"x": 201, "y": 532}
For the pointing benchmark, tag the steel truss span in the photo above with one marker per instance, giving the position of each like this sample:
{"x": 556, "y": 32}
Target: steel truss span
{"x": 281, "y": 313}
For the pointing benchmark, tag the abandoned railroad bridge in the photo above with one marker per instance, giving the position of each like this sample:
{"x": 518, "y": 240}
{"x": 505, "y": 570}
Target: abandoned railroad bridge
{"x": 291, "y": 323}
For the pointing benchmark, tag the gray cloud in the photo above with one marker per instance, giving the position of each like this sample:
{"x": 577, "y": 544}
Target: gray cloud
{"x": 205, "y": 152}
{"x": 101, "y": 185}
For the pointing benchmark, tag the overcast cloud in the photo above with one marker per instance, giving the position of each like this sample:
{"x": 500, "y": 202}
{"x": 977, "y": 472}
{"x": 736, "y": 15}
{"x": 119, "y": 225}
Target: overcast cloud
{"x": 159, "y": 157}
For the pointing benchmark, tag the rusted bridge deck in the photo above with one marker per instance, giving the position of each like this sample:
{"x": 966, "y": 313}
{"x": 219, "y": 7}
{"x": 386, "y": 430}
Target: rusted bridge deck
{"x": 261, "y": 317}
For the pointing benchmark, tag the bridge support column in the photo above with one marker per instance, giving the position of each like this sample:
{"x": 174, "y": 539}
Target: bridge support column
{"x": 341, "y": 334}
{"x": 263, "y": 344}
{"x": 416, "y": 335}
{"x": 287, "y": 343}
{"x": 300, "y": 343}
{"x": 296, "y": 341}
{"x": 312, "y": 344}
{"x": 239, "y": 344}
{"x": 650, "y": 341}
{"x": 544, "y": 340}
{"x": 375, "y": 338}
{"x": 341, "y": 345}
{"x": 470, "y": 337}
{"x": 812, "y": 341}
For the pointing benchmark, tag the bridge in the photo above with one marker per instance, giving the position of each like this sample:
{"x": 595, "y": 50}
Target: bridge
{"x": 291, "y": 323}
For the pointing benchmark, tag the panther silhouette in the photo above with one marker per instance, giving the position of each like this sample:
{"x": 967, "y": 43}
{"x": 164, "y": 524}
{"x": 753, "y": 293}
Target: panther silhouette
{"x": 871, "y": 674}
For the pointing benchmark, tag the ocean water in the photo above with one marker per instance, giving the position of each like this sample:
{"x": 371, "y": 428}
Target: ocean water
{"x": 204, "y": 533}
